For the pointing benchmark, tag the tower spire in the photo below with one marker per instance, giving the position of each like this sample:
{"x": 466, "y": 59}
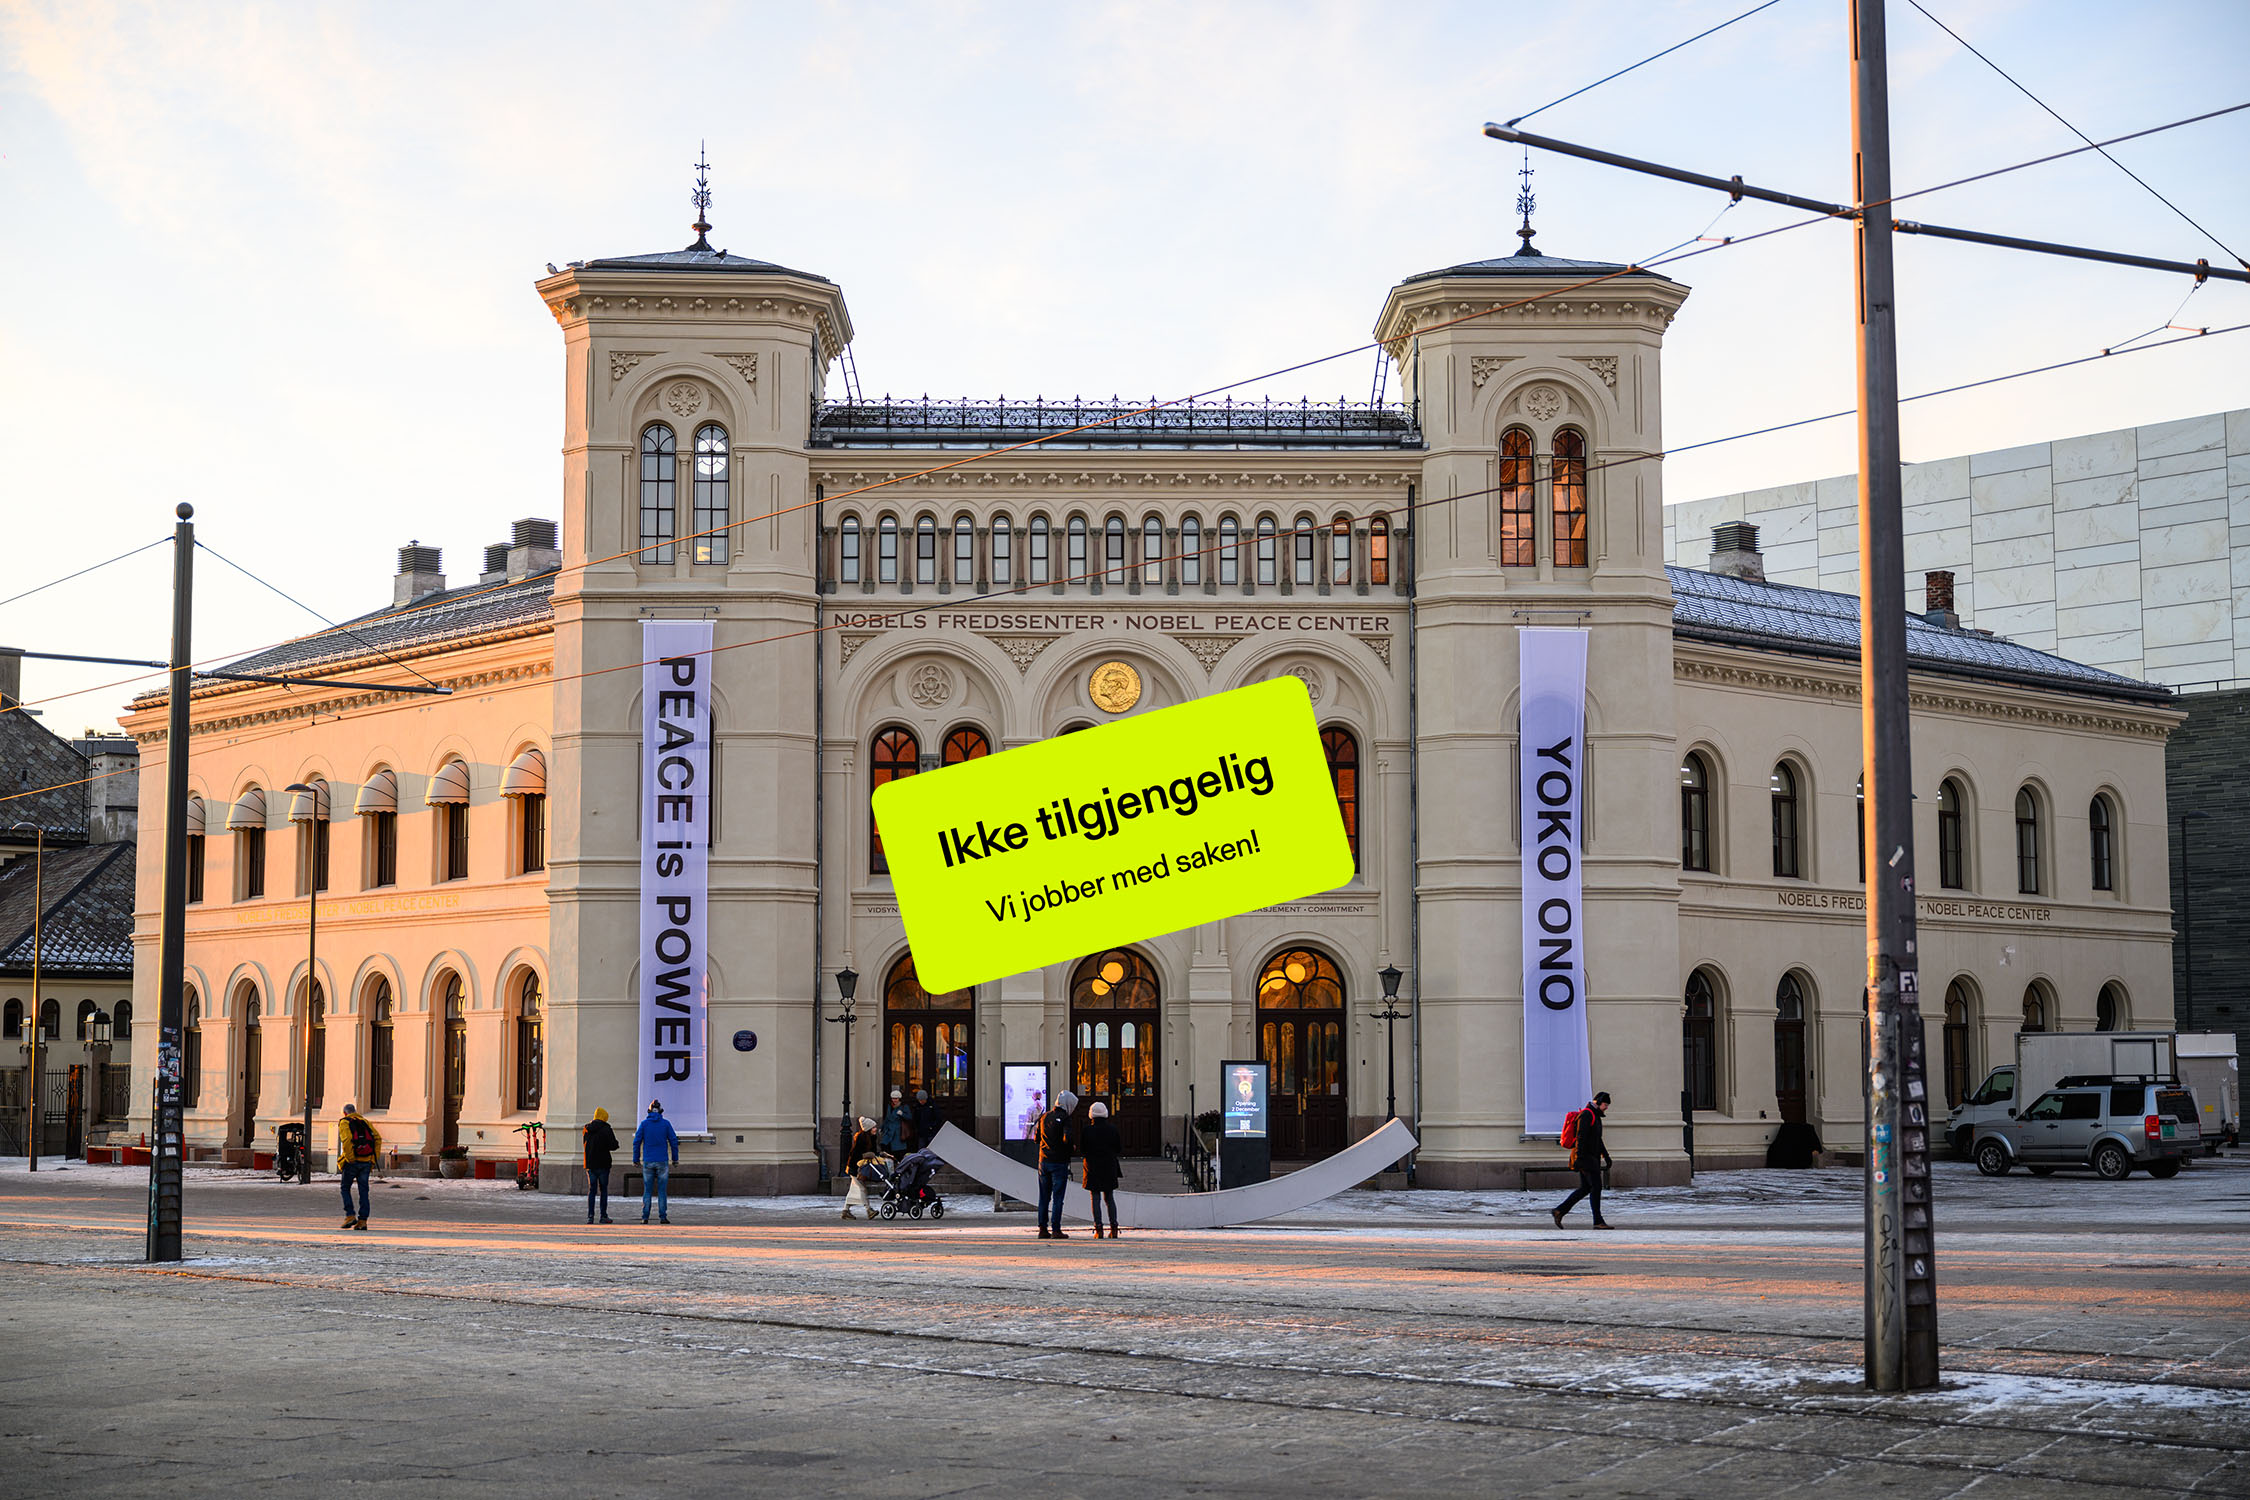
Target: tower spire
{"x": 701, "y": 197}
{"x": 1525, "y": 202}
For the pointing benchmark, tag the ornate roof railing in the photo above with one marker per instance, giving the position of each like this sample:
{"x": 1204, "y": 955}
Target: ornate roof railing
{"x": 889, "y": 420}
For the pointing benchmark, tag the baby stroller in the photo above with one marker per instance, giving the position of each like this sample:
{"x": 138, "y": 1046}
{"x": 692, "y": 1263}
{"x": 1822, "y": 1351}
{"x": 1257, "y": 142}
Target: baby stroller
{"x": 907, "y": 1190}
{"x": 289, "y": 1150}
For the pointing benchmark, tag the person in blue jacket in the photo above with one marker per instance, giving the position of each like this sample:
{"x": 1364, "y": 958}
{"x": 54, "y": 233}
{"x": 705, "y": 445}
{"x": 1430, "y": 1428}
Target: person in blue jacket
{"x": 656, "y": 1150}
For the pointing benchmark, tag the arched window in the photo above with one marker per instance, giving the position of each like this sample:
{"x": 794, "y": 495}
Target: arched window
{"x": 1952, "y": 839}
{"x": 1152, "y": 550}
{"x": 449, "y": 798}
{"x": 253, "y": 1058}
{"x": 195, "y": 827}
{"x": 247, "y": 821}
{"x": 1960, "y": 1013}
{"x": 1003, "y": 552}
{"x": 1230, "y": 551}
{"x": 1519, "y": 543}
{"x": 1191, "y": 552}
{"x": 2100, "y": 844}
{"x": 1267, "y": 549}
{"x": 1343, "y": 770}
{"x": 316, "y": 1049}
{"x": 1699, "y": 1042}
{"x": 310, "y": 814}
{"x": 886, "y": 550}
{"x": 87, "y": 1011}
{"x": 1570, "y": 499}
{"x": 191, "y": 1048}
{"x": 2110, "y": 1010}
{"x": 12, "y": 1026}
{"x": 964, "y": 552}
{"x": 456, "y": 1058}
{"x": 847, "y": 547}
{"x": 1301, "y": 1042}
{"x": 1114, "y": 1016}
{"x": 50, "y": 1020}
{"x": 1379, "y": 551}
{"x": 966, "y": 743}
{"x": 1789, "y": 1072}
{"x": 1074, "y": 554}
{"x": 1695, "y": 813}
{"x": 380, "y": 1050}
{"x": 1340, "y": 552}
{"x": 2034, "y": 1009}
{"x": 1787, "y": 811}
{"x": 929, "y": 1041}
{"x": 660, "y": 521}
{"x": 713, "y": 507}
{"x": 1113, "y": 551}
{"x": 897, "y": 755}
{"x": 1040, "y": 569}
{"x": 1859, "y": 819}
{"x": 1302, "y": 546}
{"x": 531, "y": 1055}
{"x": 925, "y": 550}
{"x": 2027, "y": 841}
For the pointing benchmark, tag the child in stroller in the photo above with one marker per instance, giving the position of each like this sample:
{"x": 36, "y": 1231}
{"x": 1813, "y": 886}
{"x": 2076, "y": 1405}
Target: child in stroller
{"x": 907, "y": 1190}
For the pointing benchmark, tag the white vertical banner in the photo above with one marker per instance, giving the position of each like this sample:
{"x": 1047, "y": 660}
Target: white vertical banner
{"x": 1557, "y": 1074}
{"x": 675, "y": 794}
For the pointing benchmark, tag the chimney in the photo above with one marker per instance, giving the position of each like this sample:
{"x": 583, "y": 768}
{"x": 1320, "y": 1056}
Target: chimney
{"x": 535, "y": 549}
{"x": 421, "y": 572}
{"x": 495, "y": 563}
{"x": 1937, "y": 600}
{"x": 1734, "y": 552}
{"x": 11, "y": 676}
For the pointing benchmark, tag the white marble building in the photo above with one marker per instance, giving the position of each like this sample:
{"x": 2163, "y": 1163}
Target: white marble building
{"x": 2128, "y": 550}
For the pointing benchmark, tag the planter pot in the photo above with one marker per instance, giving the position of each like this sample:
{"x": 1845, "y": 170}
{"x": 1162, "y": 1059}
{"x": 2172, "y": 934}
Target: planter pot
{"x": 453, "y": 1166}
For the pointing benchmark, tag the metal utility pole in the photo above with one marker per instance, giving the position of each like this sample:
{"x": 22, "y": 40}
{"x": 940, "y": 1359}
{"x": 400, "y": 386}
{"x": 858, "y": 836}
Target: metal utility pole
{"x": 38, "y": 1014}
{"x": 166, "y": 1127}
{"x": 1901, "y": 1286}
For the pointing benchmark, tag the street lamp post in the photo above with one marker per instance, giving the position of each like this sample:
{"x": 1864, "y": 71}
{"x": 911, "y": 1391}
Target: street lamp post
{"x": 306, "y": 800}
{"x": 847, "y": 985}
{"x": 2187, "y": 921}
{"x": 1390, "y": 1015}
{"x": 97, "y": 1098}
{"x": 38, "y": 1014}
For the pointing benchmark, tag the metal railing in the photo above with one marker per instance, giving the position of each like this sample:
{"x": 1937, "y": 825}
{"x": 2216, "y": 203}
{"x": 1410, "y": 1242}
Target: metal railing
{"x": 1307, "y": 423}
{"x": 1197, "y": 1165}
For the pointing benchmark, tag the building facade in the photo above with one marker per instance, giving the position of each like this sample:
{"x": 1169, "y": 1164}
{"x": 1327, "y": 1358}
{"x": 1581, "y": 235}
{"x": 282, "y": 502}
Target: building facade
{"x": 897, "y": 586}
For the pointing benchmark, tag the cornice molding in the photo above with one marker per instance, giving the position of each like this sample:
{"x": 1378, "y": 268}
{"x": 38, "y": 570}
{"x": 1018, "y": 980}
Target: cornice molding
{"x": 1405, "y": 470}
{"x": 282, "y": 713}
{"x": 2058, "y": 712}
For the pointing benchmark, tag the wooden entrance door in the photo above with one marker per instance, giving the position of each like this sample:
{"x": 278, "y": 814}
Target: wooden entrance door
{"x": 1301, "y": 1039}
{"x": 1789, "y": 1049}
{"x": 253, "y": 1071}
{"x": 929, "y": 1042}
{"x": 1115, "y": 1008}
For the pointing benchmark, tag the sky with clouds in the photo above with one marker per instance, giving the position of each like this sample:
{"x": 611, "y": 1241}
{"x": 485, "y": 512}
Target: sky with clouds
{"x": 277, "y": 259}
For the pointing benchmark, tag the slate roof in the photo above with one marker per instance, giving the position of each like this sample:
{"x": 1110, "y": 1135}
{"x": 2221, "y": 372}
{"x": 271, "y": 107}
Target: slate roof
{"x": 43, "y": 778}
{"x": 1520, "y": 264}
{"x": 692, "y": 259}
{"x": 88, "y": 927}
{"x": 1817, "y": 622}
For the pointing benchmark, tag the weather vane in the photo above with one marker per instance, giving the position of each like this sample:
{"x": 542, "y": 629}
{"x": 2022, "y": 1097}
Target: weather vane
{"x": 1525, "y": 202}
{"x": 701, "y": 198}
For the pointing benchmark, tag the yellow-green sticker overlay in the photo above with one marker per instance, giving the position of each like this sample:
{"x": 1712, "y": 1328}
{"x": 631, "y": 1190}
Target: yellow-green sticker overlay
{"x": 1105, "y": 837}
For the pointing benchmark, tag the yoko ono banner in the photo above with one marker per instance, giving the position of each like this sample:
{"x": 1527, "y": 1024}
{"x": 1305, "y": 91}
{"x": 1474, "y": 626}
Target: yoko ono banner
{"x": 675, "y": 867}
{"x": 1557, "y": 1076}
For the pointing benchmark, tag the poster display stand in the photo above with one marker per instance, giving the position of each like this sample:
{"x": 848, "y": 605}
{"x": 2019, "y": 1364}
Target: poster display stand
{"x": 1025, "y": 1091}
{"x": 1245, "y": 1148}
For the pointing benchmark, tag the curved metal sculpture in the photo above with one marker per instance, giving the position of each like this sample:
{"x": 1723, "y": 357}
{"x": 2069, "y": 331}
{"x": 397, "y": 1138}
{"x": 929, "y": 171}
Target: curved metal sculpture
{"x": 1243, "y": 1205}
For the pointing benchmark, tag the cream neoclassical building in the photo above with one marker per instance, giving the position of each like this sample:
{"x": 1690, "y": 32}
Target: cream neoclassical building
{"x": 895, "y": 586}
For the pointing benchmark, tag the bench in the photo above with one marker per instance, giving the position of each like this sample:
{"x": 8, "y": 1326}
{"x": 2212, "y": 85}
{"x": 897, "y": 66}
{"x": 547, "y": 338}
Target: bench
{"x": 681, "y": 1184}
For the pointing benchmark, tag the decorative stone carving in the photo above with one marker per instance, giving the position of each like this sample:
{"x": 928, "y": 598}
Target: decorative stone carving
{"x": 1380, "y": 645}
{"x": 746, "y": 365}
{"x": 929, "y": 685}
{"x": 1543, "y": 402}
{"x": 1023, "y": 649}
{"x": 1483, "y": 367}
{"x": 685, "y": 398}
{"x": 621, "y": 364}
{"x": 849, "y": 642}
{"x": 1311, "y": 680}
{"x": 1207, "y": 649}
{"x": 1604, "y": 365}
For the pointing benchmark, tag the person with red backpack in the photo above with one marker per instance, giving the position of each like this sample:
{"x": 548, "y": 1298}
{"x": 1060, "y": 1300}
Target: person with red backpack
{"x": 1582, "y": 1133}
{"x": 357, "y": 1146}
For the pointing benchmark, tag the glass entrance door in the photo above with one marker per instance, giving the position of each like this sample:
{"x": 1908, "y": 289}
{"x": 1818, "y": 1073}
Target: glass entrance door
{"x": 1114, "y": 1056}
{"x": 1301, "y": 1040}
{"x": 929, "y": 1043}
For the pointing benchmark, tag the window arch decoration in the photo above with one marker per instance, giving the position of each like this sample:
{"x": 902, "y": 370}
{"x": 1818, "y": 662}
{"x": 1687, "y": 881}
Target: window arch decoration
{"x": 2029, "y": 873}
{"x": 886, "y": 549}
{"x": 1191, "y": 552}
{"x": 1788, "y": 821}
{"x": 1342, "y": 749}
{"x": 1379, "y": 552}
{"x": 1569, "y": 498}
{"x": 967, "y": 742}
{"x": 1695, "y": 812}
{"x": 1699, "y": 1041}
{"x": 848, "y": 541}
{"x": 1300, "y": 979}
{"x": 2112, "y": 1012}
{"x": 1120, "y": 979}
{"x": 2101, "y": 842}
{"x": 660, "y": 520}
{"x": 531, "y": 1055}
{"x": 1113, "y": 551}
{"x": 925, "y": 548}
{"x": 1952, "y": 834}
{"x": 897, "y": 754}
{"x": 1519, "y": 542}
{"x": 1152, "y": 549}
{"x": 712, "y": 502}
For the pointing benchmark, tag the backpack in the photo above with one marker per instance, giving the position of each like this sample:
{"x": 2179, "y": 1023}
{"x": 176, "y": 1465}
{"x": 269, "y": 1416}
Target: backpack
{"x": 1570, "y": 1129}
{"x": 363, "y": 1138}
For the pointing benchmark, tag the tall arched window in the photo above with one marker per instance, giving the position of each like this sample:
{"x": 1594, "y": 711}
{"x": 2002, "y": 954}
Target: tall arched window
{"x": 1699, "y": 1042}
{"x": 87, "y": 1011}
{"x": 966, "y": 743}
{"x": 1152, "y": 549}
{"x": 1519, "y": 542}
{"x": 660, "y": 517}
{"x": 1301, "y": 1042}
{"x": 1695, "y": 813}
{"x": 316, "y": 1051}
{"x": 1041, "y": 568}
{"x": 713, "y": 507}
{"x": 531, "y": 1054}
{"x": 448, "y": 797}
{"x": 2100, "y": 844}
{"x": 1379, "y": 551}
{"x": 1302, "y": 546}
{"x": 2110, "y": 1010}
{"x": 847, "y": 548}
{"x": 964, "y": 552}
{"x": 929, "y": 1043}
{"x": 886, "y": 550}
{"x": 1113, "y": 551}
{"x": 1952, "y": 839}
{"x": 1003, "y": 552}
{"x": 1230, "y": 551}
{"x": 1789, "y": 1071}
{"x": 195, "y": 835}
{"x": 1960, "y": 1012}
{"x": 1340, "y": 552}
{"x": 2027, "y": 841}
{"x": 12, "y": 1027}
{"x": 1268, "y": 546}
{"x": 925, "y": 549}
{"x": 50, "y": 1020}
{"x": 121, "y": 1021}
{"x": 247, "y": 821}
{"x": 1343, "y": 771}
{"x": 1074, "y": 553}
{"x": 1570, "y": 499}
{"x": 456, "y": 1058}
{"x": 1191, "y": 552}
{"x": 897, "y": 756}
{"x": 2034, "y": 1009}
{"x": 253, "y": 1059}
{"x": 380, "y": 1050}
{"x": 191, "y": 1049}
{"x": 1788, "y": 857}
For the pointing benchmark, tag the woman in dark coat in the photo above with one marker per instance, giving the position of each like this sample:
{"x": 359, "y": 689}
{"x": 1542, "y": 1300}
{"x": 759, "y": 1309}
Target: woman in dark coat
{"x": 866, "y": 1146}
{"x": 1101, "y": 1146}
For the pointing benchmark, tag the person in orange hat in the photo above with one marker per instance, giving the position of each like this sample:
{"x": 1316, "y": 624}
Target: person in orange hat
{"x": 601, "y": 1140}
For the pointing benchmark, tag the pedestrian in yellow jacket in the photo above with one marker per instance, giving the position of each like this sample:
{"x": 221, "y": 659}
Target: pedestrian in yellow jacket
{"x": 357, "y": 1146}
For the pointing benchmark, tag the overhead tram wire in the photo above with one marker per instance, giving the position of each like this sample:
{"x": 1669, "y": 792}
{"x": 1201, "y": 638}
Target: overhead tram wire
{"x": 82, "y": 572}
{"x": 453, "y": 596}
{"x": 1644, "y": 62}
{"x": 2074, "y": 130}
{"x": 345, "y": 630}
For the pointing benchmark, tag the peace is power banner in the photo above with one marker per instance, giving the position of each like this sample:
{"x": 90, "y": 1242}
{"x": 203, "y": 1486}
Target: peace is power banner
{"x": 1557, "y": 1076}
{"x": 675, "y": 794}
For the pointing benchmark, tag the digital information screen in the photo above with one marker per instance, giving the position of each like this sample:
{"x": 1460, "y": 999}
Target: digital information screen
{"x": 1023, "y": 1099}
{"x": 1245, "y": 1095}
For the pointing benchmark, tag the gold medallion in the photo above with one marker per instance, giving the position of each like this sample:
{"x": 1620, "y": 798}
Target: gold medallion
{"x": 1114, "y": 687}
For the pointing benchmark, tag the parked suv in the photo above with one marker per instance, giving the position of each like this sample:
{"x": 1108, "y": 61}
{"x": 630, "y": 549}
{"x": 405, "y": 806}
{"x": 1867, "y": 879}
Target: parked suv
{"x": 2110, "y": 1124}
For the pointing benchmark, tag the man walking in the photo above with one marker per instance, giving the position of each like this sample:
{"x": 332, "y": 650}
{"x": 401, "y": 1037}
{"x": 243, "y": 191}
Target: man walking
{"x": 356, "y": 1147}
{"x": 1056, "y": 1148}
{"x": 656, "y": 1150}
{"x": 1588, "y": 1157}
{"x": 600, "y": 1142}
